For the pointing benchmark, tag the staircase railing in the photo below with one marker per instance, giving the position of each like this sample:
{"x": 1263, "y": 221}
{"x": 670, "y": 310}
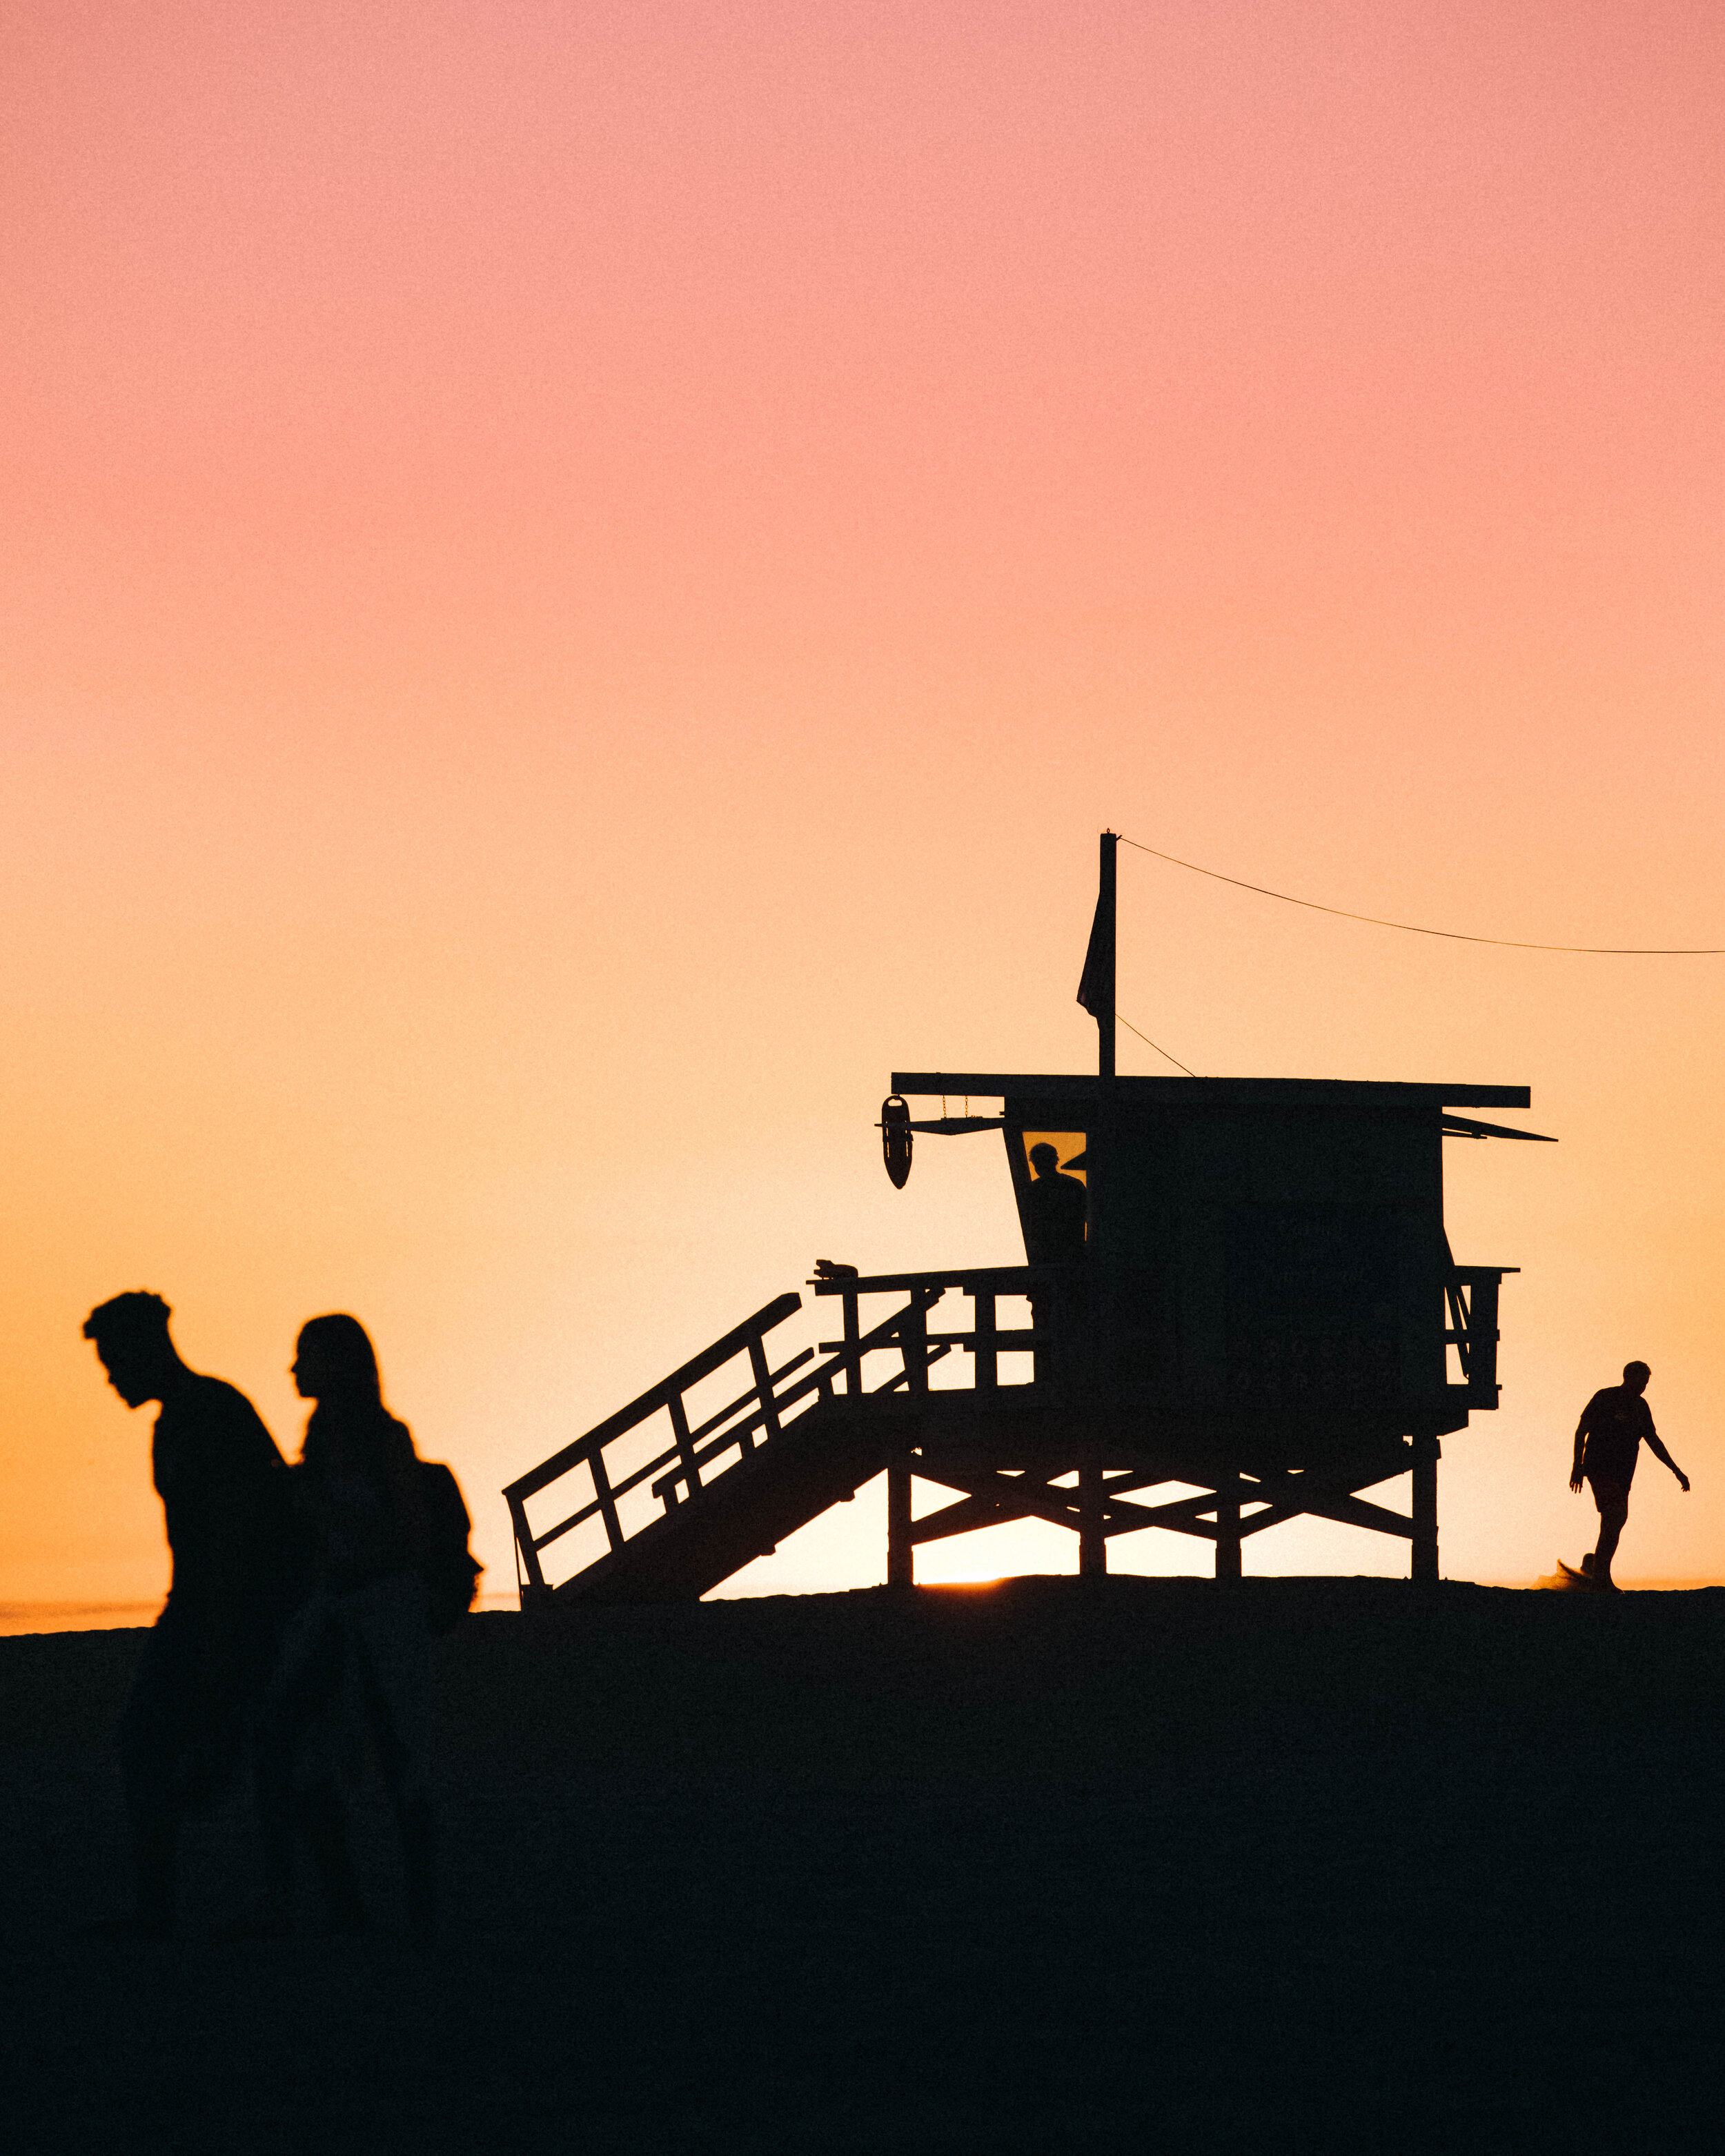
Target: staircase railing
{"x": 985, "y": 1342}
{"x": 682, "y": 1470}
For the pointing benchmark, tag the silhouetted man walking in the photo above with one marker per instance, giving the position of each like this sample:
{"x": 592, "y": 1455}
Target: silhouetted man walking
{"x": 224, "y": 1490}
{"x": 1607, "y": 1442}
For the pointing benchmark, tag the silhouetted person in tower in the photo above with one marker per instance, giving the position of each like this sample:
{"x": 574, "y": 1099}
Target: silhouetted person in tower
{"x": 1054, "y": 1211}
{"x": 1608, "y": 1441}
{"x": 224, "y": 1490}
{"x": 358, "y": 1659}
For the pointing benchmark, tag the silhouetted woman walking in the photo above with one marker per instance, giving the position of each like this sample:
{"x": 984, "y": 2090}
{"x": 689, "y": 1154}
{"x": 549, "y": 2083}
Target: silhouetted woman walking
{"x": 359, "y": 1657}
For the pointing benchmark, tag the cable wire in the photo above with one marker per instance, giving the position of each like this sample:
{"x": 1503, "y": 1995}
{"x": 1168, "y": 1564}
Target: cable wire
{"x": 1407, "y": 929}
{"x": 1149, "y": 1043}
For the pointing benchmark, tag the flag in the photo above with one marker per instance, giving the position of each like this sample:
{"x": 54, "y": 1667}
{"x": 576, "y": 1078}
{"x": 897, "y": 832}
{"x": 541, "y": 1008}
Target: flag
{"x": 1096, "y": 986}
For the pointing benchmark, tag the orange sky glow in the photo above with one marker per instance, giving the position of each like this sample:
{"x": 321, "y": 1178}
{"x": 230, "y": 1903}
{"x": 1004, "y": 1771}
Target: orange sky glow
{"x": 580, "y": 582}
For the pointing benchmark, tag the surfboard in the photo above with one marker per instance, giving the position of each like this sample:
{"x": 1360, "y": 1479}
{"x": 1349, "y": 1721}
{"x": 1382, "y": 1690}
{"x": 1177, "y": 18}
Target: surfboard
{"x": 1567, "y": 1579}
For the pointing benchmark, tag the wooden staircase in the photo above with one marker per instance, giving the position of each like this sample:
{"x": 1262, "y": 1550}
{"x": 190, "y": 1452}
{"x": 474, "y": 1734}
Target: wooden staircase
{"x": 664, "y": 1508}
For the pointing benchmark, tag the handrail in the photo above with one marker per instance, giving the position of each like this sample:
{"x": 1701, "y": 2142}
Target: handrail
{"x": 762, "y": 1407}
{"x": 819, "y": 1382}
{"x": 679, "y": 1380}
{"x": 665, "y": 1486}
{"x": 740, "y": 1433}
{"x": 999, "y": 1279}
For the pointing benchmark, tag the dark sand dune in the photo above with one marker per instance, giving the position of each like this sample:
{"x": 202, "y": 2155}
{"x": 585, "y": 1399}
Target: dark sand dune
{"x": 1314, "y": 1865}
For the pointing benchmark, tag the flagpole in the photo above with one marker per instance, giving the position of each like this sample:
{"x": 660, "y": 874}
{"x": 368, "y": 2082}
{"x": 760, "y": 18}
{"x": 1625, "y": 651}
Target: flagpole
{"x": 1093, "y": 1540}
{"x": 1104, "y": 917}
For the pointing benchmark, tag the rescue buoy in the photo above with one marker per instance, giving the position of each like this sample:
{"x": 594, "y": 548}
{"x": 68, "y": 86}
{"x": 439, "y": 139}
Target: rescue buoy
{"x": 895, "y": 1139}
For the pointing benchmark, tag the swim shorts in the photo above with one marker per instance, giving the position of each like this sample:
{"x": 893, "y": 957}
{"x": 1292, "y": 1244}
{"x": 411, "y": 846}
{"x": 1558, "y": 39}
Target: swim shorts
{"x": 1609, "y": 1495}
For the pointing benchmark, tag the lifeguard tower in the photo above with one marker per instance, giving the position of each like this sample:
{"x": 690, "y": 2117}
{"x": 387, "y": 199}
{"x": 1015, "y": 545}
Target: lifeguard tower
{"x": 1239, "y": 1305}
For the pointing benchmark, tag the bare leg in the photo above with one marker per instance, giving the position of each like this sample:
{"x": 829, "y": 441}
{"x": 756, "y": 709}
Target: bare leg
{"x": 1611, "y": 1522}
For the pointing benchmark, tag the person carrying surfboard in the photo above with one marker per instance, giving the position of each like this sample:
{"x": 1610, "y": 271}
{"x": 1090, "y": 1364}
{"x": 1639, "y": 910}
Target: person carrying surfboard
{"x": 1607, "y": 1442}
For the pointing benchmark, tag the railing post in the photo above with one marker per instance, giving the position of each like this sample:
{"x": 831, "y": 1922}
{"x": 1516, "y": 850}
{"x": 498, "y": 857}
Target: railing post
{"x": 685, "y": 1449}
{"x": 913, "y": 1340}
{"x": 1456, "y": 1293}
{"x": 524, "y": 1543}
{"x": 987, "y": 1355}
{"x": 852, "y": 1333}
{"x": 602, "y": 1490}
{"x": 764, "y": 1385}
{"x": 1046, "y": 1324}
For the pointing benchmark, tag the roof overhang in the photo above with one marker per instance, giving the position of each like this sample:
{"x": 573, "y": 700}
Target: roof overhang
{"x": 1209, "y": 1092}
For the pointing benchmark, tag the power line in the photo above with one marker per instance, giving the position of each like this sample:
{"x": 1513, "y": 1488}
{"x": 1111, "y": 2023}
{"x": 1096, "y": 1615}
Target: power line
{"x": 1450, "y": 935}
{"x": 1149, "y": 1043}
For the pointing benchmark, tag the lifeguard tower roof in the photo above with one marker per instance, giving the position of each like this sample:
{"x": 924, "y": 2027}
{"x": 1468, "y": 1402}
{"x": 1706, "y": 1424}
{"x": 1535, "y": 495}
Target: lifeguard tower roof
{"x": 1182, "y": 1092}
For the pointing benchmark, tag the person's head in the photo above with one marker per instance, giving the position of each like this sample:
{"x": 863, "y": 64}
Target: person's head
{"x": 1635, "y": 1376}
{"x": 1044, "y": 1158}
{"x": 131, "y": 1335}
{"x": 335, "y": 1361}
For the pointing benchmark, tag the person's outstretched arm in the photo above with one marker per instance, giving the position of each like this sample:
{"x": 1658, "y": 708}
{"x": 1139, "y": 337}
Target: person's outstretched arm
{"x": 1658, "y": 1452}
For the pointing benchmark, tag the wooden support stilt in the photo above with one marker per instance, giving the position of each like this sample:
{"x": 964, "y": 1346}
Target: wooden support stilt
{"x": 1426, "y": 1452}
{"x": 1092, "y": 1542}
{"x": 1228, "y": 1565}
{"x": 900, "y": 1550}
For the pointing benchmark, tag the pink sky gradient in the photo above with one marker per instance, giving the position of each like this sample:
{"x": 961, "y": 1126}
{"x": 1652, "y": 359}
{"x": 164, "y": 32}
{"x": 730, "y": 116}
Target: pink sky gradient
{"x": 580, "y": 582}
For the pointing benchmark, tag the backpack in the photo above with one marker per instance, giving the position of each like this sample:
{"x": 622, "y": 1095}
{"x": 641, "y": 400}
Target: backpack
{"x": 451, "y": 1570}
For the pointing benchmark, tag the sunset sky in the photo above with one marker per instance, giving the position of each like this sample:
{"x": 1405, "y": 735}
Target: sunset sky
{"x": 580, "y": 582}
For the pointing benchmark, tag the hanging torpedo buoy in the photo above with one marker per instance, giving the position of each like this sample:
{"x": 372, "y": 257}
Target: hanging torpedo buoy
{"x": 895, "y": 1138}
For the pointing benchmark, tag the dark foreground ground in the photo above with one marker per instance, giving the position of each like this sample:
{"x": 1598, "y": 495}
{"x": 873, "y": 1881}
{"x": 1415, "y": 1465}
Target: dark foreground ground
{"x": 1311, "y": 1864}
